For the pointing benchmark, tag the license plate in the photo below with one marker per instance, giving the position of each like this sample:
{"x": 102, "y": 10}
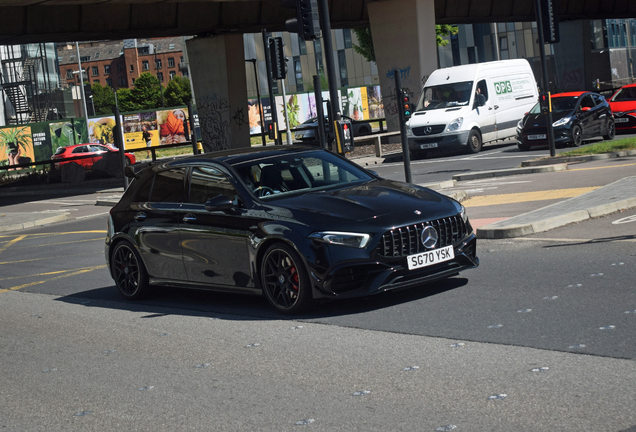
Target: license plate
{"x": 431, "y": 257}
{"x": 425, "y": 146}
{"x": 621, "y": 120}
{"x": 536, "y": 137}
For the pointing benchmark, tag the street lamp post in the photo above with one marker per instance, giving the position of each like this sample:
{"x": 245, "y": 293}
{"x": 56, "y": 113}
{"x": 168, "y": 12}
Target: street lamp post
{"x": 79, "y": 62}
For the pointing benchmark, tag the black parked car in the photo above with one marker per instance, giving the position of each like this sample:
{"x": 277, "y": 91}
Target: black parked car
{"x": 308, "y": 130}
{"x": 294, "y": 223}
{"x": 576, "y": 116}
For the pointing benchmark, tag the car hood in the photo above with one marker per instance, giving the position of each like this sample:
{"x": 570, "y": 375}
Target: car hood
{"x": 623, "y": 106}
{"x": 437, "y": 116}
{"x": 539, "y": 120}
{"x": 382, "y": 202}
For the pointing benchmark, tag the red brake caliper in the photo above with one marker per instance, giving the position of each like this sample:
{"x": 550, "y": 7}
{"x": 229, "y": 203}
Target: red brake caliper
{"x": 294, "y": 278}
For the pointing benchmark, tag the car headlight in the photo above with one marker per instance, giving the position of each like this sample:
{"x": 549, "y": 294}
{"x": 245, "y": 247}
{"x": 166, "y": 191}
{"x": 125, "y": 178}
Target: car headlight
{"x": 409, "y": 132}
{"x": 455, "y": 124}
{"x": 520, "y": 125}
{"x": 462, "y": 213}
{"x": 561, "y": 122}
{"x": 356, "y": 240}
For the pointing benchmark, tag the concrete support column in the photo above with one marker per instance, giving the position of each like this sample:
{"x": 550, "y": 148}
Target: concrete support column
{"x": 577, "y": 66}
{"x": 404, "y": 39}
{"x": 218, "y": 76}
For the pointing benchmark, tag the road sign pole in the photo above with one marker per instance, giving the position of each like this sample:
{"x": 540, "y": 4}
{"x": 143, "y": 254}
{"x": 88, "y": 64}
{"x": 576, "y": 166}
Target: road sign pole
{"x": 546, "y": 85}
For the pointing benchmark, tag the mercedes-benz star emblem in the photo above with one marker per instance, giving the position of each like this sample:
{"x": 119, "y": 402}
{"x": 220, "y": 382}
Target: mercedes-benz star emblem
{"x": 429, "y": 237}
{"x": 428, "y": 130}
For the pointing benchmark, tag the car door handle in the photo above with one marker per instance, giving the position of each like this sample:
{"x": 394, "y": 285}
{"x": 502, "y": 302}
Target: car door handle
{"x": 139, "y": 217}
{"x": 189, "y": 218}
{"x": 496, "y": 106}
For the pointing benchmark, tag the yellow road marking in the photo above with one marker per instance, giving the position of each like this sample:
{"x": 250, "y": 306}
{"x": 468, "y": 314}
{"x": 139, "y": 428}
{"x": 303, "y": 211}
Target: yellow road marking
{"x": 73, "y": 273}
{"x": 35, "y": 275}
{"x": 57, "y": 257}
{"x": 61, "y": 243}
{"x": 486, "y": 200}
{"x": 11, "y": 243}
{"x": 594, "y": 168}
{"x": 59, "y": 234}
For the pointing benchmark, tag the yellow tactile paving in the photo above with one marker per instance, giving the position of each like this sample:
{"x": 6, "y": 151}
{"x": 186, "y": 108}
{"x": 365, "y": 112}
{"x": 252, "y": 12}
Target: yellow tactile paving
{"x": 487, "y": 200}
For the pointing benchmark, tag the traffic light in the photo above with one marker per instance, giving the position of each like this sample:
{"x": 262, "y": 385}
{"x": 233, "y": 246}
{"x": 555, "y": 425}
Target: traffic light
{"x": 545, "y": 102}
{"x": 344, "y": 136}
{"x": 405, "y": 103}
{"x": 307, "y": 21}
{"x": 271, "y": 131}
{"x": 277, "y": 57}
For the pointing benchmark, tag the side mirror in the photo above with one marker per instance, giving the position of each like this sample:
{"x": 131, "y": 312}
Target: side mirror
{"x": 585, "y": 108}
{"x": 219, "y": 203}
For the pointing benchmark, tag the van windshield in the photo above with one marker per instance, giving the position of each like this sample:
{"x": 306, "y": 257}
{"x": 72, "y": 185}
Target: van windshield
{"x": 445, "y": 96}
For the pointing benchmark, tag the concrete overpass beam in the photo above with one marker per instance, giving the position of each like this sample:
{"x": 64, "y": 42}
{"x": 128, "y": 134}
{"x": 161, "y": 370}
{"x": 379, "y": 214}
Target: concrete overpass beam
{"x": 404, "y": 39}
{"x": 217, "y": 66}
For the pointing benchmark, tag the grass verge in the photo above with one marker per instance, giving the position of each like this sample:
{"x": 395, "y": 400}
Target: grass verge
{"x": 615, "y": 145}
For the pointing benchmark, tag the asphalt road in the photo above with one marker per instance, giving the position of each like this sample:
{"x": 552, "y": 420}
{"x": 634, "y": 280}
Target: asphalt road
{"x": 539, "y": 337}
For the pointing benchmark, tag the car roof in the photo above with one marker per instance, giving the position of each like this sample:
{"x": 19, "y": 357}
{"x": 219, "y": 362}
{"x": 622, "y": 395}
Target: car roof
{"x": 239, "y": 155}
{"x": 570, "y": 94}
{"x": 82, "y": 144}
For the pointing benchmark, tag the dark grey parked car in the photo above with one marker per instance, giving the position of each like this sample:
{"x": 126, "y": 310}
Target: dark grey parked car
{"x": 307, "y": 131}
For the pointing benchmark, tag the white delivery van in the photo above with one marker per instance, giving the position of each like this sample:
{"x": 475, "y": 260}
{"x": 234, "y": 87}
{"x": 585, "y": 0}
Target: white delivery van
{"x": 462, "y": 107}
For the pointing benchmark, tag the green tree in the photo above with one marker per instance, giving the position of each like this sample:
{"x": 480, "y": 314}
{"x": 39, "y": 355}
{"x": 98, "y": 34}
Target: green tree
{"x": 442, "y": 32}
{"x": 126, "y": 101}
{"x": 103, "y": 99}
{"x": 147, "y": 91}
{"x": 177, "y": 91}
{"x": 365, "y": 39}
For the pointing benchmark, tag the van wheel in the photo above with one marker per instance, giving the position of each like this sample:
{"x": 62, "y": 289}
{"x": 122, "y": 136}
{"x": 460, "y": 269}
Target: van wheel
{"x": 474, "y": 142}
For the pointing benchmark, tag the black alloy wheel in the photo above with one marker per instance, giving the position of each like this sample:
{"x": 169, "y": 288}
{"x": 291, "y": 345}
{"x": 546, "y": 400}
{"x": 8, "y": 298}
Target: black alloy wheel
{"x": 474, "y": 142}
{"x": 129, "y": 272}
{"x": 284, "y": 280}
{"x": 577, "y": 136}
{"x": 610, "y": 131}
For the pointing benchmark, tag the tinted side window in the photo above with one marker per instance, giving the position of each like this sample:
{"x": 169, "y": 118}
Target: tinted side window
{"x": 142, "y": 189}
{"x": 598, "y": 99}
{"x": 206, "y": 183}
{"x": 168, "y": 186}
{"x": 587, "y": 102}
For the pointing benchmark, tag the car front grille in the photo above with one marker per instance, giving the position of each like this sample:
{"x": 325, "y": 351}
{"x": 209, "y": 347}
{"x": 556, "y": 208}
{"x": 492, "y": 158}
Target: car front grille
{"x": 404, "y": 241}
{"x": 421, "y": 131}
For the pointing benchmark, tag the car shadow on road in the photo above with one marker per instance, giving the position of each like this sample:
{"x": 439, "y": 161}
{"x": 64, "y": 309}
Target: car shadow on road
{"x": 175, "y": 301}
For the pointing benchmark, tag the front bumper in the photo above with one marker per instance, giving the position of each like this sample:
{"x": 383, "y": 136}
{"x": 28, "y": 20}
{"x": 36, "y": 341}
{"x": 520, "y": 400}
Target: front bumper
{"x": 357, "y": 278}
{"x": 438, "y": 141}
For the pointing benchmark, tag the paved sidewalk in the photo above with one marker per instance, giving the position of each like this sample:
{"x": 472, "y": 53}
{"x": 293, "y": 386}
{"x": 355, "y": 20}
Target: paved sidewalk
{"x": 620, "y": 195}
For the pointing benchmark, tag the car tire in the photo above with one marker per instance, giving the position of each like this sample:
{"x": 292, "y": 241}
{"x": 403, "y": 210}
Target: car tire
{"x": 285, "y": 280}
{"x": 129, "y": 272}
{"x": 523, "y": 147}
{"x": 474, "y": 142}
{"x": 577, "y": 136}
{"x": 363, "y": 131}
{"x": 610, "y": 131}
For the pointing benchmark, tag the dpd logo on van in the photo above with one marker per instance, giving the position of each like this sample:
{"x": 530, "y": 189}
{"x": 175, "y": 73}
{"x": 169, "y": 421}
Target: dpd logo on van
{"x": 503, "y": 87}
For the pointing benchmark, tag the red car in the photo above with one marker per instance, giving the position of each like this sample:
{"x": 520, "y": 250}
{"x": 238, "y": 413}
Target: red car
{"x": 623, "y": 105}
{"x": 92, "y": 152}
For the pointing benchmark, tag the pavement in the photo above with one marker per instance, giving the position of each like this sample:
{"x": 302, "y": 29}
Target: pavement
{"x": 619, "y": 195}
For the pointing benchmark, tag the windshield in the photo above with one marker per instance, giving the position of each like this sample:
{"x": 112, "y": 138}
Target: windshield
{"x": 285, "y": 175}
{"x": 559, "y": 105}
{"x": 625, "y": 94}
{"x": 445, "y": 96}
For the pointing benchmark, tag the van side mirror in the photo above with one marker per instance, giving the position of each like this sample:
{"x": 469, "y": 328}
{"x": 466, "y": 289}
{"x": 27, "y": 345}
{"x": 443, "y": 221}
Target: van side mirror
{"x": 480, "y": 100}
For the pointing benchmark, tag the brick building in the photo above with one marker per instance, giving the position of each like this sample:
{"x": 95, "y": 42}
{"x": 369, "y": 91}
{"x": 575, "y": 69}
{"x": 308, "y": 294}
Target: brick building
{"x": 117, "y": 64}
